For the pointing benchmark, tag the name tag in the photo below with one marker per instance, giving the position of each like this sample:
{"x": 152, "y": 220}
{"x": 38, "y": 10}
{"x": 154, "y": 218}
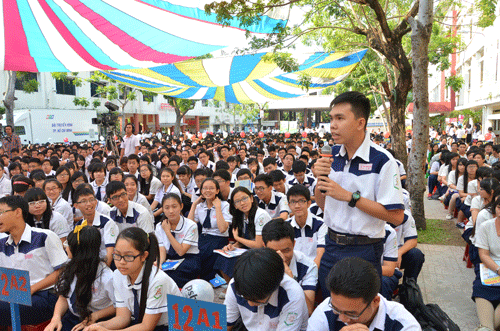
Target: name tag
{"x": 28, "y": 256}
{"x": 365, "y": 167}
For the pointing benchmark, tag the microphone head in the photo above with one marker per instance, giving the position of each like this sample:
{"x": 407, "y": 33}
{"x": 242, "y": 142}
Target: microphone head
{"x": 326, "y": 149}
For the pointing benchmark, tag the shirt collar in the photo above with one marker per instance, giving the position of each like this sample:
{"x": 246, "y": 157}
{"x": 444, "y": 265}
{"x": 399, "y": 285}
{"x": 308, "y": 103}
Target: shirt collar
{"x": 97, "y": 219}
{"x": 363, "y": 150}
{"x": 26, "y": 236}
{"x": 130, "y": 211}
{"x": 378, "y": 322}
{"x": 180, "y": 225}
{"x": 293, "y": 265}
{"x": 309, "y": 221}
{"x": 138, "y": 282}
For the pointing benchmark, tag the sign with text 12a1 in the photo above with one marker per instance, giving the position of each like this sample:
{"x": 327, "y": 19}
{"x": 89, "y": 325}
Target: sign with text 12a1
{"x": 195, "y": 315}
{"x": 15, "y": 286}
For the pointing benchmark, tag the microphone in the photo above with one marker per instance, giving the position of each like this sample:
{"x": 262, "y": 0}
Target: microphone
{"x": 326, "y": 151}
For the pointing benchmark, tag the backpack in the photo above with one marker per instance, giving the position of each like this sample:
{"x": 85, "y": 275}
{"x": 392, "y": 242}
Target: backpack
{"x": 430, "y": 317}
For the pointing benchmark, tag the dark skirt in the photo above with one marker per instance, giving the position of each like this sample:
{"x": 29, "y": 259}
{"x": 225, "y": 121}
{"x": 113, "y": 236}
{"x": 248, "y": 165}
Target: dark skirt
{"x": 188, "y": 270}
{"x": 206, "y": 244}
{"x": 225, "y": 264}
{"x": 490, "y": 293}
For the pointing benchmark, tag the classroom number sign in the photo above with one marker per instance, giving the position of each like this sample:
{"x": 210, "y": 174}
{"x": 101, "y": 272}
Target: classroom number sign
{"x": 15, "y": 289}
{"x": 195, "y": 315}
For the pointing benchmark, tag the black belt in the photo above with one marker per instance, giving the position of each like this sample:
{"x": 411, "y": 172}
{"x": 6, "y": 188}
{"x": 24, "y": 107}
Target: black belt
{"x": 351, "y": 239}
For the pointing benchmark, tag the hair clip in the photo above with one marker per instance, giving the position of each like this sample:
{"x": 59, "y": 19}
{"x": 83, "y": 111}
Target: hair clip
{"x": 77, "y": 230}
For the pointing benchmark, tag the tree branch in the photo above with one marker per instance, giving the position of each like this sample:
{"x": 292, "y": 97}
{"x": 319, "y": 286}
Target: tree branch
{"x": 381, "y": 18}
{"x": 402, "y": 27}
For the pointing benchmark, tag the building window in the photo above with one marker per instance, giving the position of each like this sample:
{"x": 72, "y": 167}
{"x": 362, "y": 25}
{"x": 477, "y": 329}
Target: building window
{"x": 469, "y": 79}
{"x": 148, "y": 98}
{"x": 65, "y": 87}
{"x": 23, "y": 78}
{"x": 123, "y": 95}
{"x": 93, "y": 90}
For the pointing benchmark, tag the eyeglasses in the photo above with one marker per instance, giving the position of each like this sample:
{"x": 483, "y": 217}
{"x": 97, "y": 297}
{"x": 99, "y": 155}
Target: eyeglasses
{"x": 260, "y": 189}
{"x": 3, "y": 212}
{"x": 84, "y": 202}
{"x": 209, "y": 189}
{"x": 49, "y": 189}
{"x": 126, "y": 258}
{"x": 350, "y": 316}
{"x": 63, "y": 175}
{"x": 238, "y": 202}
{"x": 298, "y": 202}
{"x": 36, "y": 203}
{"x": 118, "y": 197}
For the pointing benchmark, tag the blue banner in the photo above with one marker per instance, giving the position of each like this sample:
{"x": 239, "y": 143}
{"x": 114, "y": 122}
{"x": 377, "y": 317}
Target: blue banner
{"x": 15, "y": 286}
{"x": 195, "y": 315}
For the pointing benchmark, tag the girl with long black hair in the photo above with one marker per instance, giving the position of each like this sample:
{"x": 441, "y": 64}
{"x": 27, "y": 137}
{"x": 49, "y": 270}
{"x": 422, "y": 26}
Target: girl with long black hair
{"x": 140, "y": 290}
{"x": 85, "y": 286}
{"x": 149, "y": 184}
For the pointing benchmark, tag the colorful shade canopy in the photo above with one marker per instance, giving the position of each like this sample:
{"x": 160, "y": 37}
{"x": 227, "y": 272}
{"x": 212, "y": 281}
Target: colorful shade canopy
{"x": 84, "y": 35}
{"x": 241, "y": 79}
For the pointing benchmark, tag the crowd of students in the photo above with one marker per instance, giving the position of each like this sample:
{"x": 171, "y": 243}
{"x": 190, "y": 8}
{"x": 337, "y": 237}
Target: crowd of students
{"x": 93, "y": 230}
{"x": 465, "y": 177}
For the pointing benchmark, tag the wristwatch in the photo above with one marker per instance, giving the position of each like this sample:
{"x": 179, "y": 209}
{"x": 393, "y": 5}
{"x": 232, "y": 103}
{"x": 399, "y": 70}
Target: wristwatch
{"x": 355, "y": 197}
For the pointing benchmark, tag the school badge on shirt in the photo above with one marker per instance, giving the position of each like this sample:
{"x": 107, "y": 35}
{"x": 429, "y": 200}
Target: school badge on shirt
{"x": 158, "y": 292}
{"x": 290, "y": 319}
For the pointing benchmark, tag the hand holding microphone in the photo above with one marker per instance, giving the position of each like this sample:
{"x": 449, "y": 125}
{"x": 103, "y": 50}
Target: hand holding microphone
{"x": 323, "y": 165}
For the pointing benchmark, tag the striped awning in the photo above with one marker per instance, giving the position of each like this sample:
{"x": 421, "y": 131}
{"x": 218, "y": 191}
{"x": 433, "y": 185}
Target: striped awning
{"x": 241, "y": 79}
{"x": 85, "y": 35}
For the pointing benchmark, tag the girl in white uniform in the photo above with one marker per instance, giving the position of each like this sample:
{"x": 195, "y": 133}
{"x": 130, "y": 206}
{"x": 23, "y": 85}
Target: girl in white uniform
{"x": 133, "y": 194}
{"x": 150, "y": 185}
{"x": 140, "y": 288}
{"x": 85, "y": 287}
{"x": 170, "y": 185}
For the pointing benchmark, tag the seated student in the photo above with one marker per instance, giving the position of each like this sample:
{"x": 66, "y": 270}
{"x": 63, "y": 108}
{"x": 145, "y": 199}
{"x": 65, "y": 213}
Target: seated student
{"x": 262, "y": 297}
{"x": 199, "y": 176}
{"x": 186, "y": 180}
{"x": 178, "y": 239}
{"x": 116, "y": 174}
{"x": 47, "y": 168}
{"x": 310, "y": 231}
{"x": 99, "y": 184}
{"x": 85, "y": 286}
{"x": 213, "y": 218}
{"x": 390, "y": 274}
{"x": 133, "y": 162}
{"x": 14, "y": 169}
{"x": 275, "y": 203}
{"x": 279, "y": 181}
{"x": 410, "y": 258}
{"x": 354, "y": 302}
{"x": 5, "y": 183}
{"x": 245, "y": 174}
{"x": 288, "y": 161}
{"x": 149, "y": 184}
{"x": 279, "y": 236}
{"x": 269, "y": 164}
{"x": 38, "y": 251}
{"x": 131, "y": 183}
{"x": 127, "y": 213}
{"x": 205, "y": 162}
{"x": 86, "y": 203}
{"x": 33, "y": 164}
{"x": 300, "y": 177}
{"x": 140, "y": 287}
{"x": 170, "y": 185}
{"x": 224, "y": 178}
{"x": 102, "y": 207}
{"x": 53, "y": 189}
{"x": 246, "y": 227}
{"x": 42, "y": 216}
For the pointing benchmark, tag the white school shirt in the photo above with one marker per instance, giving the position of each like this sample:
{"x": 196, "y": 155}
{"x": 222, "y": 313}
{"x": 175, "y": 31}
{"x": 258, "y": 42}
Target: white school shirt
{"x": 137, "y": 216}
{"x": 51, "y": 173}
{"x": 477, "y": 202}
{"x": 129, "y": 144}
{"x": 108, "y": 229}
{"x": 201, "y": 212}
{"x": 483, "y": 216}
{"x": 143, "y": 201}
{"x": 309, "y": 182}
{"x": 374, "y": 173}
{"x": 277, "y": 204}
{"x": 162, "y": 192}
{"x": 102, "y": 291}
{"x": 312, "y": 236}
{"x": 102, "y": 188}
{"x": 5, "y": 186}
{"x": 390, "y": 245}
{"x": 472, "y": 188}
{"x": 407, "y": 230}
{"x": 186, "y": 231}
{"x": 443, "y": 170}
{"x": 64, "y": 208}
{"x": 262, "y": 217}
{"x": 304, "y": 271}
{"x": 487, "y": 238}
{"x": 39, "y": 251}
{"x": 57, "y": 224}
{"x": 210, "y": 165}
{"x": 155, "y": 185}
{"x": 391, "y": 316}
{"x": 285, "y": 311}
{"x": 160, "y": 284}
{"x": 189, "y": 188}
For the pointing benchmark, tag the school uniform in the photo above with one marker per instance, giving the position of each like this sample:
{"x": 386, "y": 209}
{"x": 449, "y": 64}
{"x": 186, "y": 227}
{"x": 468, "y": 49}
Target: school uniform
{"x": 99, "y": 190}
{"x": 310, "y": 237}
{"x": 64, "y": 208}
{"x": 309, "y": 182}
{"x": 391, "y": 316}
{"x": 164, "y": 191}
{"x": 286, "y": 309}
{"x": 315, "y": 210}
{"x": 128, "y": 295}
{"x": 288, "y": 174}
{"x": 374, "y": 173}
{"x": 51, "y": 173}
{"x": 189, "y": 188}
{"x": 210, "y": 238}
{"x": 389, "y": 284}
{"x": 155, "y": 185}
{"x": 40, "y": 252}
{"x": 304, "y": 271}
{"x": 137, "y": 216}
{"x": 102, "y": 296}
{"x": 186, "y": 232}
{"x": 57, "y": 224}
{"x": 108, "y": 229}
{"x": 5, "y": 186}
{"x": 141, "y": 199}
{"x": 277, "y": 204}
{"x": 210, "y": 165}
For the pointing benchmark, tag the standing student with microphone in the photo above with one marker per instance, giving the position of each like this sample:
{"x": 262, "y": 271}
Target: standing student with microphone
{"x": 361, "y": 186}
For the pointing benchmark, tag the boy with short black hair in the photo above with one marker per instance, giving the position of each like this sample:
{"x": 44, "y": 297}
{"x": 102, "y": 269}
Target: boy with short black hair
{"x": 299, "y": 177}
{"x": 98, "y": 171}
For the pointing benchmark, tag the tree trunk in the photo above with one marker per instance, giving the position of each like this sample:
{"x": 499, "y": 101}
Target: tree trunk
{"x": 9, "y": 98}
{"x": 420, "y": 37}
{"x": 178, "y": 118}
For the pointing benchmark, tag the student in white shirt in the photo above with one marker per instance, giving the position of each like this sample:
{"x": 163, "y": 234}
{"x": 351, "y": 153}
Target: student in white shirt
{"x": 5, "y": 183}
{"x": 263, "y": 296}
{"x": 53, "y": 190}
{"x": 141, "y": 289}
{"x": 149, "y": 184}
{"x": 100, "y": 182}
{"x": 130, "y": 182}
{"x": 85, "y": 287}
{"x": 170, "y": 185}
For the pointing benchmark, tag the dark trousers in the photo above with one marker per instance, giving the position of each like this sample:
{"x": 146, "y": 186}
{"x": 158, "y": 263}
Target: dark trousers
{"x": 206, "y": 244}
{"x": 412, "y": 263}
{"x": 335, "y": 252}
{"x": 433, "y": 182}
{"x": 389, "y": 284}
{"x": 41, "y": 309}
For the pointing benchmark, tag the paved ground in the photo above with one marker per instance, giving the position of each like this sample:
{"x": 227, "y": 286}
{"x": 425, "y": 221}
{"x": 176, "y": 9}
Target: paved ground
{"x": 445, "y": 280}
